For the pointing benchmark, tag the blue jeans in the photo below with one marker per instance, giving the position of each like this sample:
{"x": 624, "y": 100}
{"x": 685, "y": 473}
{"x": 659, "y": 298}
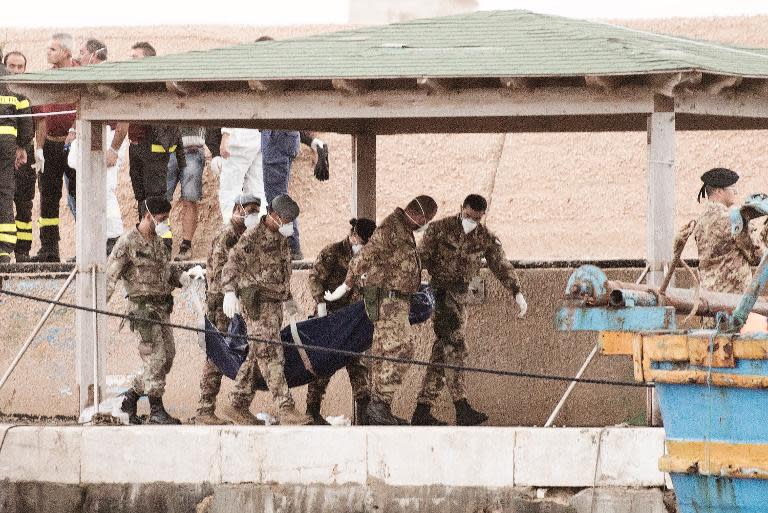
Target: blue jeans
{"x": 276, "y": 177}
{"x": 190, "y": 178}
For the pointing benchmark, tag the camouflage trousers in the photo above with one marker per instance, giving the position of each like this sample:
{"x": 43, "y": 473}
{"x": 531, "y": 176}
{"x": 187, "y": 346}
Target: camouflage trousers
{"x": 392, "y": 337}
{"x": 449, "y": 347}
{"x": 210, "y": 382}
{"x": 263, "y": 319}
{"x": 156, "y": 348}
{"x": 358, "y": 379}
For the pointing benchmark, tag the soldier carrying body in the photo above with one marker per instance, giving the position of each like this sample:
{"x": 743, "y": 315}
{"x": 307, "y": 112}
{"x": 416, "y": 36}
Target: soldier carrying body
{"x": 257, "y": 281}
{"x": 141, "y": 259}
{"x": 452, "y": 251}
{"x": 245, "y": 214}
{"x": 330, "y": 271}
{"x": 389, "y": 270}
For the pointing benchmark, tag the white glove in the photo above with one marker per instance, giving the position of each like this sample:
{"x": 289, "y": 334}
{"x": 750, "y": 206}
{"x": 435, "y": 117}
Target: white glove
{"x": 231, "y": 305}
{"x": 520, "y": 300}
{"x": 316, "y": 143}
{"x": 216, "y": 164}
{"x": 291, "y": 309}
{"x": 196, "y": 273}
{"x": 336, "y": 294}
{"x": 322, "y": 310}
{"x": 39, "y": 160}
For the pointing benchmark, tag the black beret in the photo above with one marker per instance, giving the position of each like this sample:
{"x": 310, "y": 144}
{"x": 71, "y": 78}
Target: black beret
{"x": 717, "y": 177}
{"x": 364, "y": 227}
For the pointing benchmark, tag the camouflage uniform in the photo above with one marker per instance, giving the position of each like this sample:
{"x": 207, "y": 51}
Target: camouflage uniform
{"x": 259, "y": 272}
{"x": 391, "y": 263}
{"x": 149, "y": 282}
{"x": 329, "y": 271}
{"x": 724, "y": 260}
{"x": 453, "y": 258}
{"x": 210, "y": 383}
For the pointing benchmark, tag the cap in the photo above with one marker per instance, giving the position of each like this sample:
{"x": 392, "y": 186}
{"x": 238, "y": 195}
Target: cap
{"x": 285, "y": 207}
{"x": 246, "y": 199}
{"x": 364, "y": 227}
{"x": 717, "y": 177}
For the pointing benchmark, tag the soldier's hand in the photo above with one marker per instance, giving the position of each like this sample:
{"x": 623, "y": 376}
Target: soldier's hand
{"x": 110, "y": 157}
{"x": 39, "y": 160}
{"x": 21, "y": 157}
{"x": 231, "y": 305}
{"x": 322, "y": 310}
{"x": 196, "y": 273}
{"x": 521, "y": 303}
{"x": 216, "y": 164}
{"x": 336, "y": 294}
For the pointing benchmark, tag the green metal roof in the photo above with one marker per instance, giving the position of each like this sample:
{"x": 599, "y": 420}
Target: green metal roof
{"x": 481, "y": 44}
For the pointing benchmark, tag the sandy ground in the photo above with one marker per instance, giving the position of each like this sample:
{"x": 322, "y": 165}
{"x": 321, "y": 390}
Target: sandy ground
{"x": 552, "y": 195}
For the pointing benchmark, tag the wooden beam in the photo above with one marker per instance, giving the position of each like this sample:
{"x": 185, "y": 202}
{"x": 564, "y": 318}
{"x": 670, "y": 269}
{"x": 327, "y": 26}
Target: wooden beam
{"x": 720, "y": 83}
{"x": 603, "y": 82}
{"x": 350, "y": 86}
{"x": 364, "y": 177}
{"x": 181, "y": 88}
{"x": 668, "y": 84}
{"x": 266, "y": 86}
{"x": 746, "y": 104}
{"x": 318, "y": 105}
{"x": 103, "y": 90}
{"x": 91, "y": 242}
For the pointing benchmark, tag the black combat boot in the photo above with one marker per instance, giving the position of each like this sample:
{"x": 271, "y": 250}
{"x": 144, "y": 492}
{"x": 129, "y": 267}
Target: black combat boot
{"x": 361, "y": 405}
{"x": 129, "y": 406}
{"x": 379, "y": 413}
{"x": 422, "y": 416}
{"x": 313, "y": 410}
{"x": 468, "y": 416}
{"x": 157, "y": 413}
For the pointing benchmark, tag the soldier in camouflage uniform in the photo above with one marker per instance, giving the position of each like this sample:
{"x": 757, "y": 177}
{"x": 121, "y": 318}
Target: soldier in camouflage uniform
{"x": 725, "y": 260}
{"x": 140, "y": 258}
{"x": 452, "y": 250}
{"x": 389, "y": 270}
{"x": 330, "y": 271}
{"x": 245, "y": 214}
{"x": 257, "y": 280}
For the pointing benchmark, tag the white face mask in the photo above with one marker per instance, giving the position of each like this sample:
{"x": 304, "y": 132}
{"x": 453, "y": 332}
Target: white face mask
{"x": 161, "y": 228}
{"x": 422, "y": 228}
{"x": 468, "y": 224}
{"x": 356, "y": 248}
{"x": 286, "y": 230}
{"x": 251, "y": 220}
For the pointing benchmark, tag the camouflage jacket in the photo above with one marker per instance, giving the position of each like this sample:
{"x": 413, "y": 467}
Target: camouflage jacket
{"x": 143, "y": 265}
{"x": 390, "y": 259}
{"x": 724, "y": 260}
{"x": 330, "y": 270}
{"x": 261, "y": 260}
{"x": 453, "y": 258}
{"x": 222, "y": 243}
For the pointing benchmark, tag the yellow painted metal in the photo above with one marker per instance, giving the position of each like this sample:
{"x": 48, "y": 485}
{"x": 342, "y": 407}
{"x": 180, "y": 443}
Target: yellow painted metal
{"x": 716, "y": 459}
{"x": 615, "y": 342}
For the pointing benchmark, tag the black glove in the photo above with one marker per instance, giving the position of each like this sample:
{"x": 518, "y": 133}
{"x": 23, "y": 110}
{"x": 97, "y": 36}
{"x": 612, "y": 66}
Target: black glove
{"x": 321, "y": 168}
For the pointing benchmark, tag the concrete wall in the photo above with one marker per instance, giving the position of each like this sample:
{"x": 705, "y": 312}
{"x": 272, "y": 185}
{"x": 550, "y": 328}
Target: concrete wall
{"x": 320, "y": 469}
{"x": 44, "y": 381}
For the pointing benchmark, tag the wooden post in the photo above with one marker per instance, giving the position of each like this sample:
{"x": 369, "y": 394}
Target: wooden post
{"x": 660, "y": 220}
{"x": 91, "y": 251}
{"x": 364, "y": 177}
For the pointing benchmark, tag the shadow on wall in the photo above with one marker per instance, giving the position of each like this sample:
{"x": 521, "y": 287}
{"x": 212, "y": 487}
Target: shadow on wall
{"x": 43, "y": 383}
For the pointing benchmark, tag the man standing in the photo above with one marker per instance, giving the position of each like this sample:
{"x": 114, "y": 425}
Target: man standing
{"x": 190, "y": 179}
{"x": 52, "y": 132}
{"x": 257, "y": 276}
{"x": 140, "y": 258}
{"x": 26, "y": 177}
{"x": 330, "y": 271}
{"x": 15, "y": 135}
{"x": 389, "y": 270}
{"x": 240, "y": 166}
{"x": 245, "y": 214}
{"x": 725, "y": 260}
{"x": 452, "y": 251}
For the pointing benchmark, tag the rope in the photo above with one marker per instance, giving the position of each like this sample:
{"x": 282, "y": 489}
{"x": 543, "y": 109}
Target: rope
{"x": 308, "y": 347}
{"x": 37, "y": 115}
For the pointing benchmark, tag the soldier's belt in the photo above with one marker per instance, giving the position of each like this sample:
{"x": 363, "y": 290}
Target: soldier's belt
{"x": 152, "y": 300}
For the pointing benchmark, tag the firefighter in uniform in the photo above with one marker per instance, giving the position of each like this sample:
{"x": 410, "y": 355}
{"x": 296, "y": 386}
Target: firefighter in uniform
{"x": 16, "y": 133}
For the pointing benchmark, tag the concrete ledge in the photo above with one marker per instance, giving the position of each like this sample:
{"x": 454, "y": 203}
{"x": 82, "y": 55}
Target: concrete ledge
{"x": 482, "y": 457}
